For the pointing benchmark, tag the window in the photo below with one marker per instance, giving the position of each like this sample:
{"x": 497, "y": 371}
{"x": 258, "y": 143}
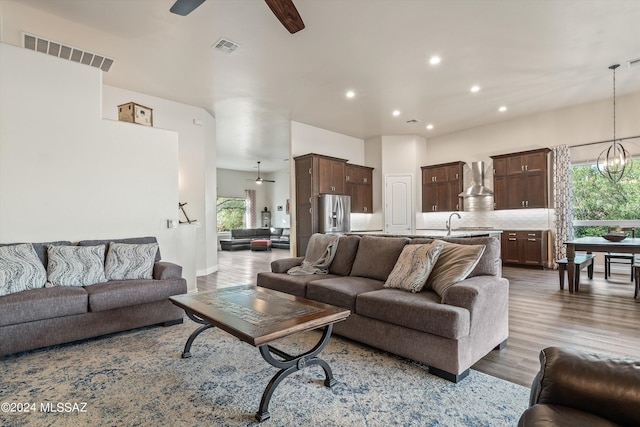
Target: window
{"x": 231, "y": 211}
{"x": 599, "y": 203}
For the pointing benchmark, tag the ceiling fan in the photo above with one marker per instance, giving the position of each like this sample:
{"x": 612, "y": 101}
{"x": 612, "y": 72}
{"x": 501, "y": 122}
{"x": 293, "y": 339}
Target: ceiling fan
{"x": 260, "y": 180}
{"x": 284, "y": 10}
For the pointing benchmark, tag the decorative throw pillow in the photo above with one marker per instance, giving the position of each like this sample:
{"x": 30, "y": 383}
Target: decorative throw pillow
{"x": 75, "y": 265}
{"x": 127, "y": 261}
{"x": 413, "y": 267}
{"x": 454, "y": 264}
{"x": 20, "y": 269}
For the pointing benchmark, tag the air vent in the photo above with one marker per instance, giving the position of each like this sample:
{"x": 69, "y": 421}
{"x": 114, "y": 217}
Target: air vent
{"x": 29, "y": 41}
{"x": 412, "y": 121}
{"x": 226, "y": 46}
{"x": 633, "y": 63}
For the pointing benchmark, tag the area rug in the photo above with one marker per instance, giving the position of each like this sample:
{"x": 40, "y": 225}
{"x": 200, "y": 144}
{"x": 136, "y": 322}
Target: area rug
{"x": 138, "y": 378}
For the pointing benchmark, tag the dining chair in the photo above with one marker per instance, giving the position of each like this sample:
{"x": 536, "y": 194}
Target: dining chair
{"x": 617, "y": 258}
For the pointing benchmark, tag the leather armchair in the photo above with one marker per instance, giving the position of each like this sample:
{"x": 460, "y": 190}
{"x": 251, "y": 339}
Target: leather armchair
{"x": 575, "y": 388}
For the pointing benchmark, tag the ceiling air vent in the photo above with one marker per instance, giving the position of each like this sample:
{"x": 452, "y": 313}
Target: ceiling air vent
{"x": 633, "y": 63}
{"x": 60, "y": 50}
{"x": 226, "y": 46}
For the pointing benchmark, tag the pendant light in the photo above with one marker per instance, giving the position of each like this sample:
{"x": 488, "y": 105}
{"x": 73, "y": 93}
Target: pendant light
{"x": 614, "y": 161}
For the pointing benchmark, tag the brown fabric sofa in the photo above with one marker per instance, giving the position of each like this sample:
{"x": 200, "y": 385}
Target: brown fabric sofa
{"x": 449, "y": 334}
{"x": 54, "y": 315}
{"x": 576, "y": 388}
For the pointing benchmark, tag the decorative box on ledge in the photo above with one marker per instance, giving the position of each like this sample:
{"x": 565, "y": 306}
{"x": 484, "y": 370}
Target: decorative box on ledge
{"x": 135, "y": 113}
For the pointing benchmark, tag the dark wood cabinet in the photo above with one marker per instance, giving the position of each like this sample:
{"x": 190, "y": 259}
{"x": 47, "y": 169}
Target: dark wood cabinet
{"x": 521, "y": 180}
{"x": 360, "y": 187}
{"x": 441, "y": 185}
{"x": 317, "y": 174}
{"x": 524, "y": 247}
{"x": 331, "y": 175}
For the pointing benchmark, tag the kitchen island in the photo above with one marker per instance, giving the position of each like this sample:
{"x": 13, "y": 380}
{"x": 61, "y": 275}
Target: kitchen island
{"x": 437, "y": 233}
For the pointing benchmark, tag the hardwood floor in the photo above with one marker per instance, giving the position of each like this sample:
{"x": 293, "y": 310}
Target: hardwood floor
{"x": 602, "y": 317}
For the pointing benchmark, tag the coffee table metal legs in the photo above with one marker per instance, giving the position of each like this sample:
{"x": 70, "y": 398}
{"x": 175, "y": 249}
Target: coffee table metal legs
{"x": 289, "y": 364}
{"x": 205, "y": 325}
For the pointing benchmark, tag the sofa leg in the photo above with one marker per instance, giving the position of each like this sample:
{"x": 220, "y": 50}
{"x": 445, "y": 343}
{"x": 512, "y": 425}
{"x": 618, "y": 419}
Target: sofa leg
{"x": 448, "y": 375}
{"x": 172, "y": 322}
{"x": 501, "y": 346}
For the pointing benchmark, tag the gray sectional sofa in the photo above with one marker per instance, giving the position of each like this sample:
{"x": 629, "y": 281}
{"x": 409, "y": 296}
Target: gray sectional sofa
{"x": 449, "y": 333}
{"x": 241, "y": 238}
{"x": 46, "y": 316}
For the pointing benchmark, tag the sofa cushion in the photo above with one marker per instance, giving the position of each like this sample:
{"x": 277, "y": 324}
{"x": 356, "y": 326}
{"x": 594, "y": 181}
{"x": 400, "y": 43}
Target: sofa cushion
{"x": 293, "y": 285}
{"x": 489, "y": 263}
{"x": 107, "y": 242}
{"x": 454, "y": 264}
{"x": 341, "y": 291}
{"x": 345, "y": 255}
{"x": 420, "y": 311}
{"x": 41, "y": 248}
{"x": 126, "y": 261}
{"x": 75, "y": 265}
{"x": 377, "y": 256}
{"x": 40, "y": 304}
{"x": 413, "y": 267}
{"x": 20, "y": 269}
{"x": 125, "y": 293}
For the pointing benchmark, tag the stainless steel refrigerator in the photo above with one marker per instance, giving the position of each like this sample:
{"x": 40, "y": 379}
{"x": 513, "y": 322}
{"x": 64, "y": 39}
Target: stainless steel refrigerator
{"x": 335, "y": 213}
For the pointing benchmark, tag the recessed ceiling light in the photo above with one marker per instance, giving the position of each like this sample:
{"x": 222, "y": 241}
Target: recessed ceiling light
{"x": 350, "y": 94}
{"x": 435, "y": 60}
{"x": 429, "y": 126}
{"x": 502, "y": 109}
{"x": 396, "y": 113}
{"x": 475, "y": 88}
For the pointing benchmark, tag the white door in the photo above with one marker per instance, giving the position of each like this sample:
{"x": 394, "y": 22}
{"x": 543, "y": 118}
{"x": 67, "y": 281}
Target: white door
{"x": 398, "y": 212}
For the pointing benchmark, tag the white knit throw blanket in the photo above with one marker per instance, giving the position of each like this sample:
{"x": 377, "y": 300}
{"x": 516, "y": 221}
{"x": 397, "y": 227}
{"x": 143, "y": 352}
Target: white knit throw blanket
{"x": 320, "y": 252}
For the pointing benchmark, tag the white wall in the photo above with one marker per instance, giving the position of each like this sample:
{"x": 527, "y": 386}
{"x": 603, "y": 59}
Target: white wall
{"x": 65, "y": 173}
{"x": 196, "y": 130}
{"x": 307, "y": 139}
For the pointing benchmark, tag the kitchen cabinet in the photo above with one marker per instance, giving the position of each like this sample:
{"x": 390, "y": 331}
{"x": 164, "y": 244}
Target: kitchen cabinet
{"x": 331, "y": 175}
{"x": 525, "y": 247}
{"x": 441, "y": 185}
{"x": 359, "y": 186}
{"x": 521, "y": 180}
{"x": 315, "y": 174}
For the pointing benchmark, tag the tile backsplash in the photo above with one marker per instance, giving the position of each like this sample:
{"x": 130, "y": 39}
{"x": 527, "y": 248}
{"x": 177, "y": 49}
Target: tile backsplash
{"x": 508, "y": 219}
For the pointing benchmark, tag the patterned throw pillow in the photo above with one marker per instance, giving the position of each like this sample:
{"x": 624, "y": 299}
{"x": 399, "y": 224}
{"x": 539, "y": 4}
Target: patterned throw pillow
{"x": 75, "y": 265}
{"x": 455, "y": 263}
{"x": 413, "y": 267}
{"x": 20, "y": 269}
{"x": 127, "y": 261}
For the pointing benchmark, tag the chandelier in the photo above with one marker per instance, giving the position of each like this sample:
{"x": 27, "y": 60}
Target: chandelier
{"x": 614, "y": 161}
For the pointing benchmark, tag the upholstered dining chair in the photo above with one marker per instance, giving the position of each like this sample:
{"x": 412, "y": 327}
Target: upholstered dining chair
{"x": 616, "y": 258}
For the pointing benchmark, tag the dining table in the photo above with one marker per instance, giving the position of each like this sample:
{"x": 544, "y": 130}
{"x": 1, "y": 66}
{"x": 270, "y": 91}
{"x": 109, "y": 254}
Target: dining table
{"x": 628, "y": 245}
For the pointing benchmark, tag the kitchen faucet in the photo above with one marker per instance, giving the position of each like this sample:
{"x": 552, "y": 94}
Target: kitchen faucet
{"x": 448, "y": 223}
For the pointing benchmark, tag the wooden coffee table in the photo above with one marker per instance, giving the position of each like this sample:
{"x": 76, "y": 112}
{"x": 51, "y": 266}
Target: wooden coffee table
{"x": 259, "y": 316}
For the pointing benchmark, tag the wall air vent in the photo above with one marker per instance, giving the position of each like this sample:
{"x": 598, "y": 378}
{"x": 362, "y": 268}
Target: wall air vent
{"x": 226, "y": 46}
{"x": 60, "y": 50}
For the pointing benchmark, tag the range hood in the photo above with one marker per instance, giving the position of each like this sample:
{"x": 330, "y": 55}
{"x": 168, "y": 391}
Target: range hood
{"x": 477, "y": 187}
{"x": 477, "y": 196}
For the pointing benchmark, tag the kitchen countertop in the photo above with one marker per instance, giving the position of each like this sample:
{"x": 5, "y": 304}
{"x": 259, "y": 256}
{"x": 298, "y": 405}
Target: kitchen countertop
{"x": 456, "y": 232}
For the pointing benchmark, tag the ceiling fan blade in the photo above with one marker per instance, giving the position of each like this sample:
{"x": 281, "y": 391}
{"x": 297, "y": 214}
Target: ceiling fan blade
{"x": 287, "y": 13}
{"x": 185, "y": 7}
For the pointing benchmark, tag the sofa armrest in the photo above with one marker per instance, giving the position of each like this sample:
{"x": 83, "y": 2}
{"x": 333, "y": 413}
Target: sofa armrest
{"x": 283, "y": 265}
{"x": 604, "y": 386}
{"x": 471, "y": 292}
{"x": 166, "y": 270}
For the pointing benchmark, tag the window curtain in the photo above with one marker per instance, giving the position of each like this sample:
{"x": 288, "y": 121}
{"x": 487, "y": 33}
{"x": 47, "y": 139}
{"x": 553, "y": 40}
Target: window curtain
{"x": 250, "y": 214}
{"x": 562, "y": 200}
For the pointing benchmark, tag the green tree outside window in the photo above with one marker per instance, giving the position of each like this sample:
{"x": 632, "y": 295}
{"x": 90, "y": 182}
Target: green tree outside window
{"x": 597, "y": 198}
{"x": 231, "y": 211}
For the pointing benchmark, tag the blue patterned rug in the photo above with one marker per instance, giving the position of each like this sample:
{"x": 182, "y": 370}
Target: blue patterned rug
{"x": 138, "y": 378}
